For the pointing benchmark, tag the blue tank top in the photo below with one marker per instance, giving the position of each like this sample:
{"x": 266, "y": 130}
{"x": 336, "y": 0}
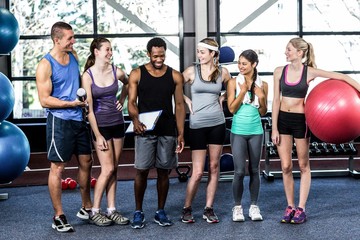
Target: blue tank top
{"x": 65, "y": 82}
{"x": 294, "y": 90}
{"x": 104, "y": 102}
{"x": 205, "y": 102}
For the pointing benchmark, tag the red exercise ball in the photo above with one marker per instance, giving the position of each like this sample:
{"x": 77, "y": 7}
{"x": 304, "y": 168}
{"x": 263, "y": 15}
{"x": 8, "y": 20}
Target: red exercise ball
{"x": 332, "y": 111}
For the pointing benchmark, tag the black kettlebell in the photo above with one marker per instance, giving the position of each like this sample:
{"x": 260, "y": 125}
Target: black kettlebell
{"x": 183, "y": 176}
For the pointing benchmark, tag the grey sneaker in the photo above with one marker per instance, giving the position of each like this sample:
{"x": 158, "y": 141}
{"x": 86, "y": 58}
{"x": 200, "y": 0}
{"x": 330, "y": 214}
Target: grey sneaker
{"x": 60, "y": 224}
{"x": 100, "y": 220}
{"x": 117, "y": 218}
{"x": 83, "y": 214}
{"x": 187, "y": 216}
{"x": 209, "y": 215}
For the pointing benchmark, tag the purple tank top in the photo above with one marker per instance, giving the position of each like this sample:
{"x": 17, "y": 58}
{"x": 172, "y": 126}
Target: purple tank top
{"x": 104, "y": 103}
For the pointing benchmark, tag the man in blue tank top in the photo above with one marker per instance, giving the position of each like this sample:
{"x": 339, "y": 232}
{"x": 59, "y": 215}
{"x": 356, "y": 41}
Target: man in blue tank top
{"x": 57, "y": 81}
{"x": 152, "y": 87}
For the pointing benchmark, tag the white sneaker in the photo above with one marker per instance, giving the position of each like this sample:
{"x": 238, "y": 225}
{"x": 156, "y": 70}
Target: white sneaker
{"x": 254, "y": 213}
{"x": 238, "y": 215}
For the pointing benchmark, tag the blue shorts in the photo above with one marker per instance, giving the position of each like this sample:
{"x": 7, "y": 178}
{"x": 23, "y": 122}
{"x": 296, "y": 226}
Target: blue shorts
{"x": 293, "y": 124}
{"x": 155, "y": 151}
{"x": 65, "y": 138}
{"x": 200, "y": 138}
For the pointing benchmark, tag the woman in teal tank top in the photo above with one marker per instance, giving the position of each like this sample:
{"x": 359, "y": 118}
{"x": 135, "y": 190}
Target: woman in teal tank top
{"x": 247, "y": 101}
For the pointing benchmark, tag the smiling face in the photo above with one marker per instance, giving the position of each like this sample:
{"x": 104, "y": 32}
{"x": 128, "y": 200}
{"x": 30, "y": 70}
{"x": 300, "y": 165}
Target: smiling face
{"x": 245, "y": 66}
{"x": 66, "y": 42}
{"x": 105, "y": 52}
{"x": 292, "y": 53}
{"x": 157, "y": 57}
{"x": 204, "y": 55}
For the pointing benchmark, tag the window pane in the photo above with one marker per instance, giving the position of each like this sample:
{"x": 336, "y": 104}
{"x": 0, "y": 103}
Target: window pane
{"x": 336, "y": 53}
{"x": 258, "y": 16}
{"x": 138, "y": 16}
{"x": 331, "y": 15}
{"x": 37, "y": 17}
{"x": 270, "y": 50}
{"x": 27, "y": 103}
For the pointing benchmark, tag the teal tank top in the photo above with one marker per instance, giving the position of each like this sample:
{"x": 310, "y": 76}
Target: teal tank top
{"x": 247, "y": 121}
{"x": 65, "y": 83}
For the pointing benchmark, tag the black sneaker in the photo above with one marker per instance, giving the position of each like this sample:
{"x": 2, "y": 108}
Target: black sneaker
{"x": 83, "y": 214}
{"x": 187, "y": 216}
{"x": 210, "y": 216}
{"x": 61, "y": 224}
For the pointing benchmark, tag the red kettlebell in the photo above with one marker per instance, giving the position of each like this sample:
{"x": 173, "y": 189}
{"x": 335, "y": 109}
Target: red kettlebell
{"x": 92, "y": 182}
{"x": 72, "y": 184}
{"x": 64, "y": 184}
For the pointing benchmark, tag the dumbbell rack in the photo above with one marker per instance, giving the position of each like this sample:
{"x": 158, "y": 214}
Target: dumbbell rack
{"x": 269, "y": 175}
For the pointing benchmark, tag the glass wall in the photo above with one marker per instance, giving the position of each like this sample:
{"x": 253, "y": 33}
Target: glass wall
{"x": 129, "y": 24}
{"x": 266, "y": 26}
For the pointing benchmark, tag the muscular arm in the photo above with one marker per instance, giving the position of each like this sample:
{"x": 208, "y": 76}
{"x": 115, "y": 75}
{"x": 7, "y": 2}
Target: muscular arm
{"x": 132, "y": 101}
{"x": 179, "y": 109}
{"x": 44, "y": 87}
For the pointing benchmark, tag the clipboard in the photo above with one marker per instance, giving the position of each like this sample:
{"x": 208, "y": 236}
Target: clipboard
{"x": 149, "y": 119}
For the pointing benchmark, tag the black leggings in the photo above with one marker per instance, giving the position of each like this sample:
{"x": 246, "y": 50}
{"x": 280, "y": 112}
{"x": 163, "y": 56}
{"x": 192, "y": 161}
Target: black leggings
{"x": 246, "y": 147}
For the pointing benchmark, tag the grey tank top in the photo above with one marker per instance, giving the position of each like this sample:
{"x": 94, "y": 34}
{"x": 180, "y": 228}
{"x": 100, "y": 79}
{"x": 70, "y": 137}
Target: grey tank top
{"x": 205, "y": 102}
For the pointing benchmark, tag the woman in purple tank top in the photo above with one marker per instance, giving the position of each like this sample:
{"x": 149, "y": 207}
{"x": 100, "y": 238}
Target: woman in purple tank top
{"x": 100, "y": 81}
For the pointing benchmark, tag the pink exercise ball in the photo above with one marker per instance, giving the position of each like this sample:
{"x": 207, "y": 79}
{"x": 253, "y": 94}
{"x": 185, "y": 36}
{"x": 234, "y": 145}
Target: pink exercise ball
{"x": 332, "y": 111}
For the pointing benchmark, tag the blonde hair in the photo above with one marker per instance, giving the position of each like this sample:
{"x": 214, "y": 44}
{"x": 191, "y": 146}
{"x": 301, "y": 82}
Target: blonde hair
{"x": 215, "y": 74}
{"x": 307, "y": 48}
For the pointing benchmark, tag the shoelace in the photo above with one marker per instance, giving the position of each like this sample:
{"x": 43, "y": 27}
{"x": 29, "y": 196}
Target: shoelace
{"x": 238, "y": 210}
{"x": 255, "y": 210}
{"x": 298, "y": 213}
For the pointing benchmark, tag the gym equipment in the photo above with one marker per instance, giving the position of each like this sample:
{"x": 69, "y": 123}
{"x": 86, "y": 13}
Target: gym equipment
{"x": 315, "y": 147}
{"x": 271, "y": 148}
{"x": 14, "y": 151}
{"x": 64, "y": 185}
{"x": 227, "y": 55}
{"x": 353, "y": 148}
{"x": 226, "y": 162}
{"x": 9, "y": 31}
{"x": 183, "y": 175}
{"x": 335, "y": 150}
{"x": 72, "y": 184}
{"x": 93, "y": 182}
{"x": 324, "y": 145}
{"x": 329, "y": 111}
{"x": 7, "y": 96}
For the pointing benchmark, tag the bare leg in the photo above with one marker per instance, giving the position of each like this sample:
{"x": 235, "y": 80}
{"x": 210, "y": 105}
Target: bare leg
{"x": 54, "y": 184}
{"x": 162, "y": 186}
{"x": 214, "y": 159}
{"x": 302, "y": 148}
{"x": 84, "y": 174}
{"x": 140, "y": 185}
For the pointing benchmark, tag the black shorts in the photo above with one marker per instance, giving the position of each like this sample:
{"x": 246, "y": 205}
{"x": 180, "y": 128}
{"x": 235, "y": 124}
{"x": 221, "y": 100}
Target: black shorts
{"x": 65, "y": 138}
{"x": 293, "y": 124}
{"x": 200, "y": 138}
{"x": 110, "y": 132}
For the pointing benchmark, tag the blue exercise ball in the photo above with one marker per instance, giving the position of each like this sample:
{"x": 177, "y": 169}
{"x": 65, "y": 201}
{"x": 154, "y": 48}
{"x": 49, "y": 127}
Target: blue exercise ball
{"x": 14, "y": 152}
{"x": 9, "y": 31}
{"x": 7, "y": 97}
{"x": 226, "y": 162}
{"x": 227, "y": 55}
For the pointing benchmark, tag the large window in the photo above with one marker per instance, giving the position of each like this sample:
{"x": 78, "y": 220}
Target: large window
{"x": 266, "y": 26}
{"x": 128, "y": 24}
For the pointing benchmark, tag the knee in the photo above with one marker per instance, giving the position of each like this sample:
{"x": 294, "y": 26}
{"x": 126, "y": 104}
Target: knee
{"x": 304, "y": 166}
{"x": 196, "y": 176}
{"x": 240, "y": 174}
{"x": 286, "y": 168}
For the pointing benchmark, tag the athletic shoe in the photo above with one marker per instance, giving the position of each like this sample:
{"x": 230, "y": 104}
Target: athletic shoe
{"x": 83, "y": 214}
{"x": 138, "y": 221}
{"x": 117, "y": 218}
{"x": 161, "y": 218}
{"x": 288, "y": 214}
{"x": 210, "y": 216}
{"x": 238, "y": 215}
{"x": 61, "y": 224}
{"x": 254, "y": 213}
{"x": 187, "y": 216}
{"x": 99, "y": 219}
{"x": 299, "y": 217}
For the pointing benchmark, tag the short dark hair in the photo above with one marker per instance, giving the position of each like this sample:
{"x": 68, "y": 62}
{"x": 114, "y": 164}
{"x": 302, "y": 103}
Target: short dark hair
{"x": 155, "y": 42}
{"x": 56, "y": 29}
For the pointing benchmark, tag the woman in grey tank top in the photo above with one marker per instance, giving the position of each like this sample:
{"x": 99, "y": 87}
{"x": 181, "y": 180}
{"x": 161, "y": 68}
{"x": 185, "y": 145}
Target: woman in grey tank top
{"x": 207, "y": 124}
